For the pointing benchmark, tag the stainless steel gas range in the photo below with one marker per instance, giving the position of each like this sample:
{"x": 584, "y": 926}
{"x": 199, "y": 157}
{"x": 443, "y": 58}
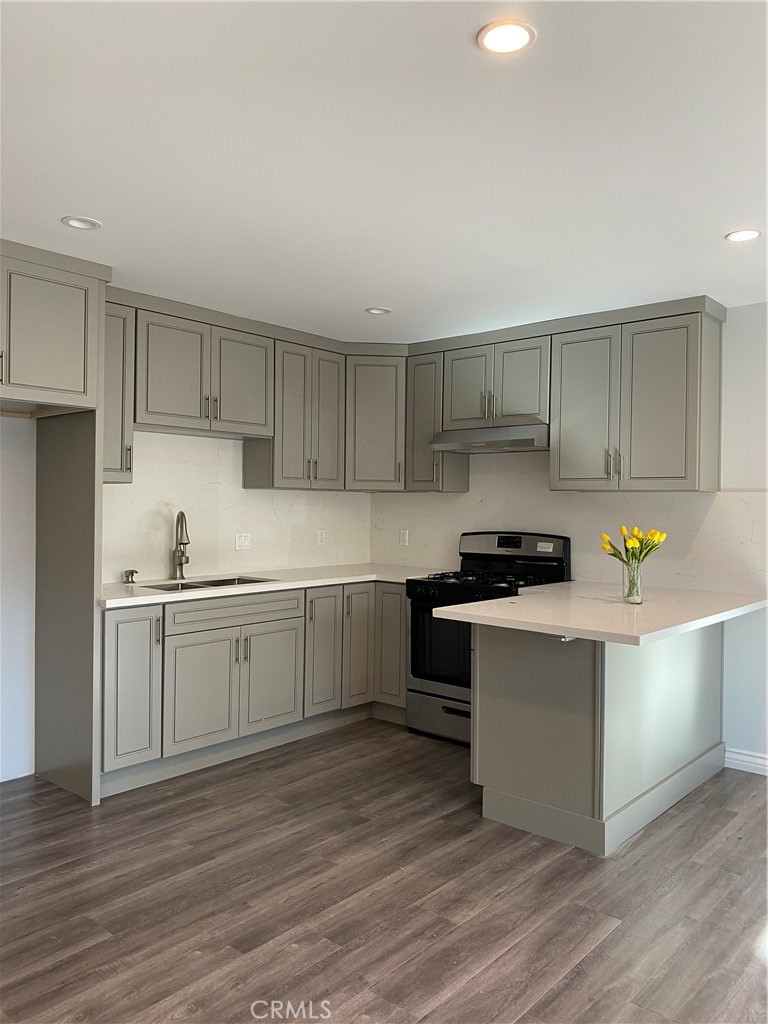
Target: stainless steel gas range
{"x": 493, "y": 565}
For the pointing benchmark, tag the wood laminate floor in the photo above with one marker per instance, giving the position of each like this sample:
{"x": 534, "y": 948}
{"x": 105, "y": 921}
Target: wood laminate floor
{"x": 354, "y": 867}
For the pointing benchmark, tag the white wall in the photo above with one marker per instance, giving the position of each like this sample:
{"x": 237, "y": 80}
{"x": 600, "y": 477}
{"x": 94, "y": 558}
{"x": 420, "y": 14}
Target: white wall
{"x": 716, "y": 541}
{"x": 202, "y": 476}
{"x": 17, "y": 596}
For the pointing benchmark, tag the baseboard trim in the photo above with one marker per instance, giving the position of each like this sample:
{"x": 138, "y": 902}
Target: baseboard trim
{"x": 746, "y": 761}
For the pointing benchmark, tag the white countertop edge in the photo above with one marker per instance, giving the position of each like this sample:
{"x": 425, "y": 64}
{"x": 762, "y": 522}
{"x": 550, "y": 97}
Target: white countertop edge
{"x": 474, "y": 614}
{"x": 123, "y": 595}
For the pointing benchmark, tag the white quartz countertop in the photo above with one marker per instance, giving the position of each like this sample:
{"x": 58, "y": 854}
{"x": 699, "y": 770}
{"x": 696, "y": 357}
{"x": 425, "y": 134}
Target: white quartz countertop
{"x": 125, "y": 595}
{"x": 595, "y": 611}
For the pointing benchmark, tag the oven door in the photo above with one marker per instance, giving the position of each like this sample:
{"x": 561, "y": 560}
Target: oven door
{"x": 441, "y": 657}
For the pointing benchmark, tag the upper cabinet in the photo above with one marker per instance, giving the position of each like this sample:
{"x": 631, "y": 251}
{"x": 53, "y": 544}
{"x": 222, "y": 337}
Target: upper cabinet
{"x": 191, "y": 377}
{"x": 119, "y": 352}
{"x": 497, "y": 385}
{"x": 637, "y": 407}
{"x": 52, "y": 320}
{"x": 425, "y": 469}
{"x": 375, "y": 423}
{"x": 308, "y": 449}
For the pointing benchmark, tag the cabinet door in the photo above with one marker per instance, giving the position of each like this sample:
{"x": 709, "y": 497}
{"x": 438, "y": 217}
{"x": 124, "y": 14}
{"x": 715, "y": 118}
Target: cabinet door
{"x": 52, "y": 321}
{"x": 201, "y": 690}
{"x": 375, "y": 423}
{"x": 521, "y": 382}
{"x": 658, "y": 449}
{"x": 427, "y": 470}
{"x": 467, "y": 388}
{"x": 271, "y": 675}
{"x": 584, "y": 430}
{"x": 242, "y": 383}
{"x": 173, "y": 372}
{"x": 133, "y": 665}
{"x": 328, "y": 399}
{"x": 322, "y": 665}
{"x": 119, "y": 352}
{"x": 293, "y": 415}
{"x": 357, "y": 672}
{"x": 391, "y": 669}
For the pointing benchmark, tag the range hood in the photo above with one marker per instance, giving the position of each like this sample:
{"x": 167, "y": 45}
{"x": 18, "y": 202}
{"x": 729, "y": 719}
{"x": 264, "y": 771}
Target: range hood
{"x": 484, "y": 441}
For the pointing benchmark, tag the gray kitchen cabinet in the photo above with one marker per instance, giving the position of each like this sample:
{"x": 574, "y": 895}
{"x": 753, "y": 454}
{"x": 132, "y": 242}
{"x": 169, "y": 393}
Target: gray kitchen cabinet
{"x": 201, "y": 689}
{"x": 173, "y": 372}
{"x": 391, "y": 654}
{"x": 119, "y": 355}
{"x": 520, "y": 391}
{"x": 375, "y": 453}
{"x": 307, "y": 452}
{"x": 132, "y": 704}
{"x": 670, "y": 405}
{"x": 358, "y": 644}
{"x": 324, "y": 646}
{"x": 584, "y": 427}
{"x": 193, "y": 378}
{"x": 637, "y": 407}
{"x": 242, "y": 376}
{"x": 468, "y": 380}
{"x": 271, "y": 675}
{"x": 425, "y": 469}
{"x": 52, "y": 322}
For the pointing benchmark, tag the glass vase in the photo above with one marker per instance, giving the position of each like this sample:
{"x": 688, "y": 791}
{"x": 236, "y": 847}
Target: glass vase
{"x": 633, "y": 583}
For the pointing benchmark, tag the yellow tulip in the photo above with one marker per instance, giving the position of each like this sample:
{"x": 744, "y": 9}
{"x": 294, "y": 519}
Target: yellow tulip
{"x": 652, "y": 534}
{"x": 605, "y": 538}
{"x": 606, "y": 547}
{"x": 635, "y": 532}
{"x": 662, "y": 538}
{"x": 624, "y": 531}
{"x": 640, "y": 534}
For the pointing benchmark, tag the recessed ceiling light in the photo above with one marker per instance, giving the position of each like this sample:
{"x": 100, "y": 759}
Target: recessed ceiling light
{"x": 378, "y": 310}
{"x": 743, "y": 235}
{"x": 505, "y": 36}
{"x": 82, "y": 223}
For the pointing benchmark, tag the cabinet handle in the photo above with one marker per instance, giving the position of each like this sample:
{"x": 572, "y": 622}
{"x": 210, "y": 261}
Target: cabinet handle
{"x": 246, "y": 647}
{"x": 349, "y": 605}
{"x": 609, "y": 464}
{"x": 158, "y": 630}
{"x": 621, "y": 465}
{"x": 485, "y": 407}
{"x": 1, "y": 367}
{"x": 314, "y": 463}
{"x": 216, "y": 407}
{"x": 493, "y": 405}
{"x": 399, "y": 472}
{"x": 309, "y": 469}
{"x": 207, "y": 407}
{"x": 434, "y": 467}
{"x": 311, "y": 609}
{"x": 558, "y": 636}
{"x": 129, "y": 458}
{"x": 237, "y": 650}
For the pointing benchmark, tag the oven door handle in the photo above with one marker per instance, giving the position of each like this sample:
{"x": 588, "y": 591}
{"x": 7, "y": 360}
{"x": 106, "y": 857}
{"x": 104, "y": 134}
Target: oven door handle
{"x": 456, "y": 712}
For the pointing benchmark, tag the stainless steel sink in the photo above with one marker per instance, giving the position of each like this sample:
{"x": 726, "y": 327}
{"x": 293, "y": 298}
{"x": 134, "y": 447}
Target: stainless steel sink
{"x": 234, "y": 581}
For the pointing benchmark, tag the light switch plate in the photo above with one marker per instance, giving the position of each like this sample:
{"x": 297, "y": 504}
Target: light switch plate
{"x": 403, "y": 538}
{"x": 321, "y": 537}
{"x": 242, "y": 542}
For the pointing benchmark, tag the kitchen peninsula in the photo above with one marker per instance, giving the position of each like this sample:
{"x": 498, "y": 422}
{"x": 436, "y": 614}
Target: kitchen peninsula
{"x": 589, "y": 716}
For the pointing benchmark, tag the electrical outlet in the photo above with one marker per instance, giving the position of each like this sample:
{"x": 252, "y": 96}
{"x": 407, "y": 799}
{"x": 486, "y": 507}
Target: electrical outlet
{"x": 242, "y": 542}
{"x": 320, "y": 538}
{"x": 403, "y": 538}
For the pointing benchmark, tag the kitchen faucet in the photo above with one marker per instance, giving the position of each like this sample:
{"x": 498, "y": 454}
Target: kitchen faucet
{"x": 179, "y": 553}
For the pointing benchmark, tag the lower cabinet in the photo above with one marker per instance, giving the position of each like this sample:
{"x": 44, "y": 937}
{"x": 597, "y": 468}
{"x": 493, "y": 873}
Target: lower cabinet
{"x": 201, "y": 689}
{"x": 271, "y": 675}
{"x": 323, "y": 659}
{"x": 133, "y": 677}
{"x": 391, "y": 655}
{"x": 358, "y": 644}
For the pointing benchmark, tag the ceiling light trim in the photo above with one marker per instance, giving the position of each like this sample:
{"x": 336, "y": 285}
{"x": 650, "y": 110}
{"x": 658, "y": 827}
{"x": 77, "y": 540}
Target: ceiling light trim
{"x": 81, "y": 223}
{"x": 743, "y": 235}
{"x": 492, "y": 30}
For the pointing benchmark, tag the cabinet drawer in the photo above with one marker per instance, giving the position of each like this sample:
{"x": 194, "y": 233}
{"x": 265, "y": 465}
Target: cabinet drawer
{"x": 219, "y": 612}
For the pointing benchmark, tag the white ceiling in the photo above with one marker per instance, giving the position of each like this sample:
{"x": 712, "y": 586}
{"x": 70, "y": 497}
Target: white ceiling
{"x": 297, "y": 162}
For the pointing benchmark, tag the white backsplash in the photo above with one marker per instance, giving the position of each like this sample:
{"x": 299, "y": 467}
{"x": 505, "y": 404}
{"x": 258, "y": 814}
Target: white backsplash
{"x": 202, "y": 476}
{"x": 716, "y": 541}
